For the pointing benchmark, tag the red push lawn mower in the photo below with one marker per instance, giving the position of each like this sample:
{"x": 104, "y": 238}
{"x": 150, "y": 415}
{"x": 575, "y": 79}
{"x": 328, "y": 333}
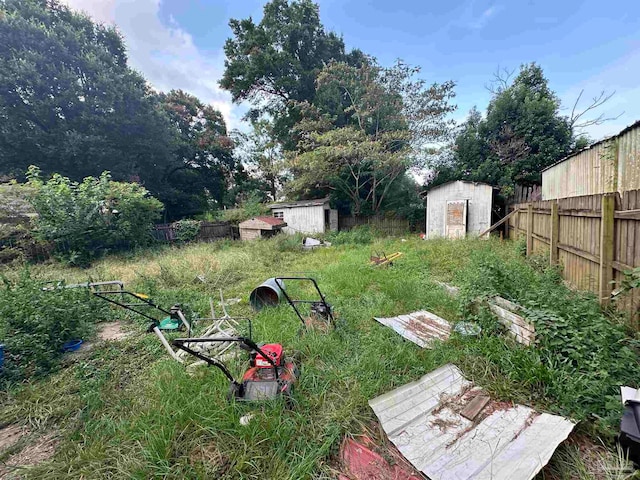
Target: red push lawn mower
{"x": 270, "y": 374}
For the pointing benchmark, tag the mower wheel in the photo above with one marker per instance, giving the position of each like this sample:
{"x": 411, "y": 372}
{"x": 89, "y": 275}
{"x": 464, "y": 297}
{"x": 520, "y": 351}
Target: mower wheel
{"x": 234, "y": 391}
{"x": 289, "y": 401}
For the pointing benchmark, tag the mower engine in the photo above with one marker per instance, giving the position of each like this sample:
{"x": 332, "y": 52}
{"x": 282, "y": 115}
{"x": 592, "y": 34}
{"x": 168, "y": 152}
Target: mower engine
{"x": 267, "y": 377}
{"x": 321, "y": 310}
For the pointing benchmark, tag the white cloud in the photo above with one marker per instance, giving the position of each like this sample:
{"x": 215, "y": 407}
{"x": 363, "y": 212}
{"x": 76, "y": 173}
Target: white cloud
{"x": 479, "y": 23}
{"x": 165, "y": 54}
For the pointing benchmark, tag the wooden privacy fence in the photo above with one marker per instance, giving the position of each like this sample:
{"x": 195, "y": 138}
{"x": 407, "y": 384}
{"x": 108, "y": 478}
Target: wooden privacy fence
{"x": 595, "y": 238}
{"x": 209, "y": 231}
{"x": 387, "y": 225}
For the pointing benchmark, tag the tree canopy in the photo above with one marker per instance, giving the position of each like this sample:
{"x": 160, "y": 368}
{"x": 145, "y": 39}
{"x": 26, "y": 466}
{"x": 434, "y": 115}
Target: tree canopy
{"x": 274, "y": 64}
{"x": 369, "y": 127}
{"x": 522, "y": 134}
{"x": 70, "y": 104}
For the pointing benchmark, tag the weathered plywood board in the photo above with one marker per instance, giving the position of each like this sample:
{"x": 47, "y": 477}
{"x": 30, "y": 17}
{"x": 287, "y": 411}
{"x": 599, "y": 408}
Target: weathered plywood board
{"x": 507, "y": 312}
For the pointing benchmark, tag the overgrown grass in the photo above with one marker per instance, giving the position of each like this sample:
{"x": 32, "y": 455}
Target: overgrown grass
{"x": 127, "y": 411}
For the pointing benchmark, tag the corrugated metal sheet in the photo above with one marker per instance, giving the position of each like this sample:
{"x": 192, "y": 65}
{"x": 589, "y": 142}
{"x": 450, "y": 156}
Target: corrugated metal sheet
{"x": 505, "y": 441}
{"x": 422, "y": 327}
{"x": 611, "y": 165}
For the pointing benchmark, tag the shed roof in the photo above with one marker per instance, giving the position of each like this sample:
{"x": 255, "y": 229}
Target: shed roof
{"x": 300, "y": 203}
{"x": 428, "y": 190}
{"x": 264, "y": 221}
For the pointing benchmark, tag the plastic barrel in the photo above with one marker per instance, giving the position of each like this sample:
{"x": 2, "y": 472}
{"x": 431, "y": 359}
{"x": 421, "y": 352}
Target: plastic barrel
{"x": 268, "y": 294}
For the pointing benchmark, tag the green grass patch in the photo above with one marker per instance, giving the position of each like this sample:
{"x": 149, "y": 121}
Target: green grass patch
{"x": 127, "y": 411}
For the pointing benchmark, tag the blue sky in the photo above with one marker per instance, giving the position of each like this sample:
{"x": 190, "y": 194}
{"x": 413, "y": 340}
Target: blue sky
{"x": 590, "y": 45}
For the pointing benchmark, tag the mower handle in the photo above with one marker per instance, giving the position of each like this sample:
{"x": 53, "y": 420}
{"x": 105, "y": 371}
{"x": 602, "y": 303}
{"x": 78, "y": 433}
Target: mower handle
{"x": 179, "y": 342}
{"x": 294, "y": 302}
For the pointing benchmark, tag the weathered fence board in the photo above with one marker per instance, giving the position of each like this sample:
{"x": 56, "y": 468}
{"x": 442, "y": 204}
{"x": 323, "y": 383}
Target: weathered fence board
{"x": 577, "y": 243}
{"x": 209, "y": 231}
{"x": 387, "y": 225}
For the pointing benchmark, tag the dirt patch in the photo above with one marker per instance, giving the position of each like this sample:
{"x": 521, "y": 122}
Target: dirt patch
{"x": 209, "y": 455}
{"x": 38, "y": 451}
{"x": 11, "y": 435}
{"x": 112, "y": 331}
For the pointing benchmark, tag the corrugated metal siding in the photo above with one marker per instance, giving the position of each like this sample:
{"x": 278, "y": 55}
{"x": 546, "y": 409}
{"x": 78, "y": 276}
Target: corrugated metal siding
{"x": 422, "y": 327}
{"x": 612, "y": 165}
{"x": 303, "y": 219}
{"x": 479, "y": 196}
{"x": 503, "y": 442}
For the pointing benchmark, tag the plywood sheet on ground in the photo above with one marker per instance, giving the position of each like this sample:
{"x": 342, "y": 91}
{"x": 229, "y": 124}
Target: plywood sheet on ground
{"x": 504, "y": 441}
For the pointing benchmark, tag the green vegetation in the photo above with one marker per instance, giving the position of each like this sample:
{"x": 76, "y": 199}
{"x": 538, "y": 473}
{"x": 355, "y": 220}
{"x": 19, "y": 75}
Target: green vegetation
{"x": 126, "y": 410}
{"x": 36, "y": 323}
{"x": 87, "y": 219}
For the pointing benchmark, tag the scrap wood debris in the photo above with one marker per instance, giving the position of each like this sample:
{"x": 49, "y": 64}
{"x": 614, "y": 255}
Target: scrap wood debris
{"x": 421, "y": 327}
{"x": 508, "y": 315}
{"x": 503, "y": 441}
{"x": 382, "y": 259}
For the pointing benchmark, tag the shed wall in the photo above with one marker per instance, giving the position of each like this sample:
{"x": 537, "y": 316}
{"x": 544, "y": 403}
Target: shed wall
{"x": 479, "y": 198}
{"x": 610, "y": 166}
{"x": 249, "y": 234}
{"x": 303, "y": 219}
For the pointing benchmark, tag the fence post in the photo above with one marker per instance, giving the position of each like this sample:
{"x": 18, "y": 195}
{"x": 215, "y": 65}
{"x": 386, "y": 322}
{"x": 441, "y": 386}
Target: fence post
{"x": 529, "y": 229}
{"x": 555, "y": 229}
{"x": 606, "y": 246}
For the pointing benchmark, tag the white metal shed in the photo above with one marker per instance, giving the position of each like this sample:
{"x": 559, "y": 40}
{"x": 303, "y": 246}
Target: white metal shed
{"x": 306, "y": 216}
{"x": 458, "y": 208}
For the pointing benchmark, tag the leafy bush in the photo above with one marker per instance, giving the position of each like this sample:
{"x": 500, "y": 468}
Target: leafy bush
{"x": 252, "y": 207}
{"x": 584, "y": 354}
{"x": 186, "y": 230}
{"x": 36, "y": 323}
{"x": 361, "y": 235}
{"x": 84, "y": 220}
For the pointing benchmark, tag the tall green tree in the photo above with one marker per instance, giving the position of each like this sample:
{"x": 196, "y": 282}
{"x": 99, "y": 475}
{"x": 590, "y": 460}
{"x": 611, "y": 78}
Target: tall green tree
{"x": 522, "y": 134}
{"x": 274, "y": 64}
{"x": 203, "y": 166}
{"x": 264, "y": 159}
{"x": 386, "y": 118}
{"x": 68, "y": 101}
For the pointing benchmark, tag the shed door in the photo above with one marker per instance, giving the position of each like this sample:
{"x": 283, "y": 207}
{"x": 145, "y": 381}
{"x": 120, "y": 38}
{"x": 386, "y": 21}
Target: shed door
{"x": 456, "y": 226}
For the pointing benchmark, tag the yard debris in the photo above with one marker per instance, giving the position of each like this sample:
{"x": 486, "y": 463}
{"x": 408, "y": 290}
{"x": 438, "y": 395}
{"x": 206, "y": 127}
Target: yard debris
{"x": 362, "y": 463}
{"x": 451, "y": 290}
{"x": 507, "y": 312}
{"x": 381, "y": 259}
{"x": 468, "y": 329}
{"x": 504, "y": 441}
{"x": 629, "y": 437}
{"x": 421, "y": 327}
{"x": 267, "y": 294}
{"x": 309, "y": 243}
{"x": 245, "y": 419}
{"x": 320, "y": 316}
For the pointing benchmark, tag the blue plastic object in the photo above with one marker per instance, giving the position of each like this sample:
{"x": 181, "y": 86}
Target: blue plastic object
{"x": 1, "y": 355}
{"x": 72, "y": 345}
